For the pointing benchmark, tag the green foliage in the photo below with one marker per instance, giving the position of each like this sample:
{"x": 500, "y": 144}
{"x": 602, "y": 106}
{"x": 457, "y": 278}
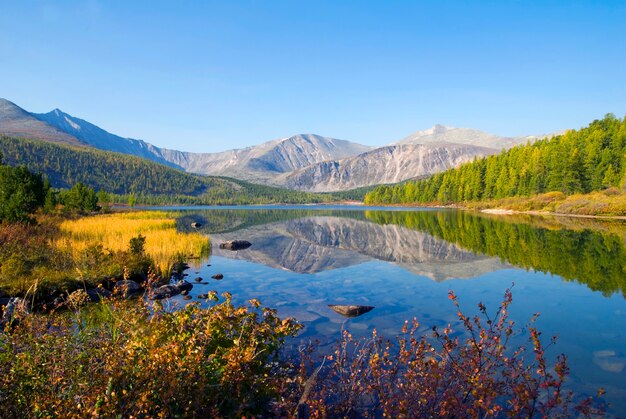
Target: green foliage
{"x": 79, "y": 198}
{"x": 589, "y": 159}
{"x": 104, "y": 199}
{"x": 21, "y": 193}
{"x": 137, "y": 245}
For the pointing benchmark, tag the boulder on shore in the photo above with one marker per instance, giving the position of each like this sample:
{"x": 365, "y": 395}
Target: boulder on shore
{"x": 235, "y": 245}
{"x": 127, "y": 288}
{"x": 96, "y": 294}
{"x": 350, "y": 310}
{"x": 170, "y": 290}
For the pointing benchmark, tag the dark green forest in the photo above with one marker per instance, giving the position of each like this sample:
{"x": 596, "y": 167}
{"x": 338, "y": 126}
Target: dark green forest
{"x": 590, "y": 257}
{"x": 130, "y": 179}
{"x": 579, "y": 161}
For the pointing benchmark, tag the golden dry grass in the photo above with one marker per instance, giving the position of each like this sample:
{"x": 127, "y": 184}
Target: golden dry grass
{"x": 113, "y": 231}
{"x": 609, "y": 202}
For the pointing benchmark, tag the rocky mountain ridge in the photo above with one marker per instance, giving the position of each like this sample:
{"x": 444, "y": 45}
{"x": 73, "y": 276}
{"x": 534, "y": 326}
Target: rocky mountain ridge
{"x": 390, "y": 164}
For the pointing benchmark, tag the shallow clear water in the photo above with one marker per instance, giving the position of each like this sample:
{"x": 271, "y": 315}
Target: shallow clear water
{"x": 571, "y": 271}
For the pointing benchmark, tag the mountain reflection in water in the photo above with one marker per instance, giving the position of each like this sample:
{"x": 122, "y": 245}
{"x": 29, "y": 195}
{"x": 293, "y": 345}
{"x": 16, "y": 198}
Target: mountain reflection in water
{"x": 440, "y": 245}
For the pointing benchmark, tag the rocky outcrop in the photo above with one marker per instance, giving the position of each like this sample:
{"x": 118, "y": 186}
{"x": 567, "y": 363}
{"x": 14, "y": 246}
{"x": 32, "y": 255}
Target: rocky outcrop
{"x": 235, "y": 245}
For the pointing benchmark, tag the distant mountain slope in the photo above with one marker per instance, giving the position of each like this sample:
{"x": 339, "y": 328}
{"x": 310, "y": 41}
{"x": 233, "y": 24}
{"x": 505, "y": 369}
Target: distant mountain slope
{"x": 265, "y": 161}
{"x": 17, "y": 122}
{"x": 439, "y": 134}
{"x": 151, "y": 182}
{"x": 97, "y": 137}
{"x": 391, "y": 164}
{"x": 259, "y": 163}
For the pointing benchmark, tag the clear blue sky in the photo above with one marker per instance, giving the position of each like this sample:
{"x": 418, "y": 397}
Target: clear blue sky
{"x": 208, "y": 76}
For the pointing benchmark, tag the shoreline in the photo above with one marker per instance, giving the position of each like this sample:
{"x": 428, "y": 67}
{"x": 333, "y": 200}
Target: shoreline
{"x": 504, "y": 211}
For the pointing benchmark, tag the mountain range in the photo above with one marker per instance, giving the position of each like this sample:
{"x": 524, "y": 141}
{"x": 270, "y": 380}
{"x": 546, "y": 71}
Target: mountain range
{"x": 305, "y": 162}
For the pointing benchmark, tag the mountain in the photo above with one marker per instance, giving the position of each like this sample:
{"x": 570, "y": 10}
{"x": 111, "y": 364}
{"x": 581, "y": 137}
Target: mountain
{"x": 305, "y": 162}
{"x": 98, "y": 138}
{"x": 439, "y": 134}
{"x": 16, "y": 122}
{"x": 262, "y": 163}
{"x": 390, "y": 164}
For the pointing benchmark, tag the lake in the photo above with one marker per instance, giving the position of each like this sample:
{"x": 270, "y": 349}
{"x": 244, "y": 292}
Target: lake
{"x": 404, "y": 262}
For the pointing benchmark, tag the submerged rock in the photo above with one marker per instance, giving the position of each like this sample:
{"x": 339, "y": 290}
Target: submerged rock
{"x": 350, "y": 310}
{"x": 235, "y": 245}
{"x": 184, "y": 285}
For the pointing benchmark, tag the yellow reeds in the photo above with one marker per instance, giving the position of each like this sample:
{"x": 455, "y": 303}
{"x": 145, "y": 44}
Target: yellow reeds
{"x": 113, "y": 231}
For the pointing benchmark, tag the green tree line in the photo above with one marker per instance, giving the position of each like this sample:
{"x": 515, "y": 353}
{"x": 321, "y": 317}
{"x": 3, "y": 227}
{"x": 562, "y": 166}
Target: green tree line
{"x": 579, "y": 161}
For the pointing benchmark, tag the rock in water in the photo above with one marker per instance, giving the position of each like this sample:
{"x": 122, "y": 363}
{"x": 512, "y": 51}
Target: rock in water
{"x": 170, "y": 290}
{"x": 235, "y": 245}
{"x": 350, "y": 310}
{"x": 165, "y": 291}
{"x": 218, "y": 276}
{"x": 127, "y": 288}
{"x": 196, "y": 225}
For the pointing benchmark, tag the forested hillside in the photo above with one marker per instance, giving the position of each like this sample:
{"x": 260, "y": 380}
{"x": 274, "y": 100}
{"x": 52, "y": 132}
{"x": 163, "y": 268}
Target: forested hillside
{"x": 145, "y": 181}
{"x": 579, "y": 161}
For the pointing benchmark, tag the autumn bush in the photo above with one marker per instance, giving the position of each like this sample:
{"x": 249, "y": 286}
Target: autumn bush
{"x": 471, "y": 374}
{"x": 134, "y": 359}
{"x": 137, "y": 359}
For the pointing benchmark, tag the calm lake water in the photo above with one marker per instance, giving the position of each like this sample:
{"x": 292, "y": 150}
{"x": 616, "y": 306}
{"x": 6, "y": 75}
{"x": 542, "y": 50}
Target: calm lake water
{"x": 404, "y": 262}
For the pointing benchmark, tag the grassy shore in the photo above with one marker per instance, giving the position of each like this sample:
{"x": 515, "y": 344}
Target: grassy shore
{"x": 608, "y": 203}
{"x": 163, "y": 244}
{"x": 58, "y": 255}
